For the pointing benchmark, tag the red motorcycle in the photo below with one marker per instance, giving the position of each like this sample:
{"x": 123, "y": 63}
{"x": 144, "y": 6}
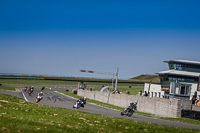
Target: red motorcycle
{"x": 29, "y": 92}
{"x": 38, "y": 98}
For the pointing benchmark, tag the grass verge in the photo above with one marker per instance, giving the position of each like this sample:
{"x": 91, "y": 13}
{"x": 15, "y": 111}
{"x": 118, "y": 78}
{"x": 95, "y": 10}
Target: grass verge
{"x": 133, "y": 91}
{"x": 17, "y": 115}
{"x": 57, "y": 82}
{"x": 7, "y": 88}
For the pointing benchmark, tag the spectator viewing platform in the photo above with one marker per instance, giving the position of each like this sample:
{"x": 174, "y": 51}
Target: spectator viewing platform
{"x": 180, "y": 81}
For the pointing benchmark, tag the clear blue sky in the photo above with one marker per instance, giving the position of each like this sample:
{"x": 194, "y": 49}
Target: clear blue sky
{"x": 58, "y": 37}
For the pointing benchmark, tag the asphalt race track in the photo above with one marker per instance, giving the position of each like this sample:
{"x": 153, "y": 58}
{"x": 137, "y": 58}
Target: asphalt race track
{"x": 56, "y": 99}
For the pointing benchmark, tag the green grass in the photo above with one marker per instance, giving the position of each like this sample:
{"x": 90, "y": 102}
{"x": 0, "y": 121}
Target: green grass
{"x": 17, "y": 115}
{"x": 133, "y": 91}
{"x": 184, "y": 120}
{"x": 7, "y": 88}
{"x": 56, "y": 82}
{"x": 140, "y": 79}
{"x": 36, "y": 82}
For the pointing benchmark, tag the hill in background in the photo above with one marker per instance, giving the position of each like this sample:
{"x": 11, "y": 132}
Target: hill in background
{"x": 146, "y": 78}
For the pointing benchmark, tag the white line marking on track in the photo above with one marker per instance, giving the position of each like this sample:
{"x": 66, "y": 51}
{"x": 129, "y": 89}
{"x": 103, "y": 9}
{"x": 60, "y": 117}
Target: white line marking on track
{"x": 24, "y": 96}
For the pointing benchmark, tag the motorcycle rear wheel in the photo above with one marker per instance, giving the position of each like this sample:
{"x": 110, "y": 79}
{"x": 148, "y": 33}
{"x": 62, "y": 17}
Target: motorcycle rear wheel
{"x": 122, "y": 113}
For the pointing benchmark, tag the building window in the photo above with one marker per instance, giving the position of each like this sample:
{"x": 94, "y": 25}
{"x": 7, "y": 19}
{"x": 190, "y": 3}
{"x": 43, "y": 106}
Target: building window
{"x": 171, "y": 66}
{"x": 182, "y": 90}
{"x": 187, "y": 92}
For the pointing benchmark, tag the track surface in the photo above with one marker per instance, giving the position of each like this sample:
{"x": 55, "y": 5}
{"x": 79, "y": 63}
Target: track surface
{"x": 56, "y": 99}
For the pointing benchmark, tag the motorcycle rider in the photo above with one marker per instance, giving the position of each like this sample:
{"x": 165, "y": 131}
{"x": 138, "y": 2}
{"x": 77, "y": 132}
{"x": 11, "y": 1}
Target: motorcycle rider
{"x": 130, "y": 110}
{"x": 32, "y": 88}
{"x": 40, "y": 94}
{"x": 132, "y": 105}
{"x": 29, "y": 90}
{"x": 43, "y": 88}
{"x": 83, "y": 101}
{"x": 25, "y": 88}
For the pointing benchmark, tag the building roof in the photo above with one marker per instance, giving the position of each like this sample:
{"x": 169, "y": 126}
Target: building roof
{"x": 180, "y": 73}
{"x": 184, "y": 61}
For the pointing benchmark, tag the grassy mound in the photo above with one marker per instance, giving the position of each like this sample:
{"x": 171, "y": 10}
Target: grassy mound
{"x": 146, "y": 78}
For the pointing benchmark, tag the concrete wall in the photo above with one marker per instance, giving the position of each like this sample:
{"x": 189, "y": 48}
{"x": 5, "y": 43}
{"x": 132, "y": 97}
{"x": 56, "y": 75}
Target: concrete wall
{"x": 158, "y": 106}
{"x": 196, "y": 108}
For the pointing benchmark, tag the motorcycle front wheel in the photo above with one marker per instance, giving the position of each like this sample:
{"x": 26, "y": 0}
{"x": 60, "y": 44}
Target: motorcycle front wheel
{"x": 78, "y": 106}
{"x": 130, "y": 113}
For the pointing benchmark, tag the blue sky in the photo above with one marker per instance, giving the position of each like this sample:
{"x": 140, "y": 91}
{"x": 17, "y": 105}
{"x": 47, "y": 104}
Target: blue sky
{"x": 61, "y": 37}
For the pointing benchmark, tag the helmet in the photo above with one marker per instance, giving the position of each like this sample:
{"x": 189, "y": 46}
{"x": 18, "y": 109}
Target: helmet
{"x": 85, "y": 98}
{"x": 40, "y": 92}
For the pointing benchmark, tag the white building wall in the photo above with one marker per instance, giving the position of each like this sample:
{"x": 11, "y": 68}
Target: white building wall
{"x": 193, "y": 89}
{"x": 154, "y": 91}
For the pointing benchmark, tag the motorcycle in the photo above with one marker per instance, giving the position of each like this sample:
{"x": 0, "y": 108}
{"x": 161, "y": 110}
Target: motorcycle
{"x": 29, "y": 92}
{"x": 38, "y": 98}
{"x": 130, "y": 110}
{"x": 78, "y": 104}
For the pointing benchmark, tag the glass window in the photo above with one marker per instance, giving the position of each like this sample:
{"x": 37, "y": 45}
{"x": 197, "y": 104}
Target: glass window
{"x": 171, "y": 66}
{"x": 182, "y": 91}
{"x": 159, "y": 94}
{"x": 175, "y": 66}
{"x": 187, "y": 90}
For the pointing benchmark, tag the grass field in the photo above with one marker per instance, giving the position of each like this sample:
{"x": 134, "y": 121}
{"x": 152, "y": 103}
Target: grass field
{"x": 17, "y": 115}
{"x": 56, "y": 82}
{"x": 7, "y": 88}
{"x": 133, "y": 91}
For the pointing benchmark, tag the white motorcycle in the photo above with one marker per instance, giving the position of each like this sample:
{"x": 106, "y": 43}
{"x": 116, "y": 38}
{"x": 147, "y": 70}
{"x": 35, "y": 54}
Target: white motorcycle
{"x": 38, "y": 98}
{"x": 78, "y": 104}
